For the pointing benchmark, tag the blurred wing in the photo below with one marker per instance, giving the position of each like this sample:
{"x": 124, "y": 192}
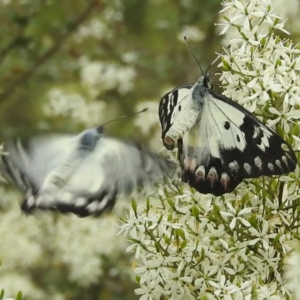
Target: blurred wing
{"x": 82, "y": 181}
{"x": 28, "y": 164}
{"x": 229, "y": 144}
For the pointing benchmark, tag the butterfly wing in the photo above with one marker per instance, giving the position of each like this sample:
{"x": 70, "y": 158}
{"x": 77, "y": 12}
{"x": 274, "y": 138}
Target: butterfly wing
{"x": 62, "y": 173}
{"x": 171, "y": 106}
{"x": 27, "y": 164}
{"x": 227, "y": 144}
{"x": 250, "y": 149}
{"x": 201, "y": 170}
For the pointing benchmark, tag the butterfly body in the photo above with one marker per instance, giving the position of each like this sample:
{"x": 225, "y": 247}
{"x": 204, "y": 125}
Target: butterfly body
{"x": 83, "y": 174}
{"x": 219, "y": 142}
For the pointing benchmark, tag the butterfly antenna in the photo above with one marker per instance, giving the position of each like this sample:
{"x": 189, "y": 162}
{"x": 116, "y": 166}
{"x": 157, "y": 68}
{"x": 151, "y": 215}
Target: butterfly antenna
{"x": 216, "y": 59}
{"x": 124, "y": 117}
{"x": 187, "y": 44}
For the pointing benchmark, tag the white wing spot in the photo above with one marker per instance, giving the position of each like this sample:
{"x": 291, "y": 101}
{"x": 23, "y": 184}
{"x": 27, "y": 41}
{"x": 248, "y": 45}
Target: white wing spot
{"x": 288, "y": 154}
{"x": 45, "y": 198}
{"x": 212, "y": 176}
{"x": 265, "y": 140}
{"x": 80, "y": 201}
{"x": 256, "y": 132}
{"x": 284, "y": 147}
{"x": 225, "y": 180}
{"x": 92, "y": 207}
{"x": 65, "y": 197}
{"x": 278, "y": 163}
{"x": 247, "y": 168}
{"x": 103, "y": 202}
{"x": 258, "y": 162}
{"x": 169, "y": 106}
{"x": 284, "y": 159}
{"x": 271, "y": 167}
{"x": 234, "y": 166}
{"x": 200, "y": 173}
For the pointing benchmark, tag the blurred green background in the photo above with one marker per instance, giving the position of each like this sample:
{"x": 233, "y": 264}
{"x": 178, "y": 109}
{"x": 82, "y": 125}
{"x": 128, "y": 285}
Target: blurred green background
{"x": 67, "y": 65}
{"x": 42, "y": 43}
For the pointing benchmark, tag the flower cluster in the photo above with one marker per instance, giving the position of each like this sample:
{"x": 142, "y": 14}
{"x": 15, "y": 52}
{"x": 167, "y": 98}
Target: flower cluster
{"x": 73, "y": 105}
{"x": 98, "y": 76}
{"x": 193, "y": 246}
{"x": 67, "y": 242}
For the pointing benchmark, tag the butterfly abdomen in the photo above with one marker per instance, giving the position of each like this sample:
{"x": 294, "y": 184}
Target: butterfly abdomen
{"x": 184, "y": 124}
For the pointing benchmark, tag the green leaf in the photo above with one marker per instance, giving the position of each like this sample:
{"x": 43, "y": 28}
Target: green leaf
{"x": 216, "y": 211}
{"x": 148, "y": 204}
{"x": 195, "y": 211}
{"x": 183, "y": 244}
{"x": 19, "y": 295}
{"x": 226, "y": 64}
{"x": 134, "y": 206}
{"x": 179, "y": 232}
{"x": 171, "y": 203}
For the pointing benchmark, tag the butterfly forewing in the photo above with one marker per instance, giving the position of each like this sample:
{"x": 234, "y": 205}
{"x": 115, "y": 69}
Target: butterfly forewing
{"x": 170, "y": 107}
{"x": 249, "y": 148}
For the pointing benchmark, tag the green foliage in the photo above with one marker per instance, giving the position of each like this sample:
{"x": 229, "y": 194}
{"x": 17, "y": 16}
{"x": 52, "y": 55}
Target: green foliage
{"x": 39, "y": 51}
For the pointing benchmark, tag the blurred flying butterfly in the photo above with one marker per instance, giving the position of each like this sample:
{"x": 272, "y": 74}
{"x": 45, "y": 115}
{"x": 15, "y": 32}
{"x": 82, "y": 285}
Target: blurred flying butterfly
{"x": 219, "y": 142}
{"x": 82, "y": 174}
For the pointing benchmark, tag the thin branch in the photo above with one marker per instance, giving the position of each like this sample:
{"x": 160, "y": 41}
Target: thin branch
{"x": 94, "y": 4}
{"x": 13, "y": 44}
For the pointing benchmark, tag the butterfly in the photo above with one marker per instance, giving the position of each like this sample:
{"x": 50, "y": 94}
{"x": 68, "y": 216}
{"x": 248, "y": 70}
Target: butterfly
{"x": 219, "y": 142}
{"x": 83, "y": 174}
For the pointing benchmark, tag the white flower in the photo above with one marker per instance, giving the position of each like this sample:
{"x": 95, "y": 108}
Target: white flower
{"x": 98, "y": 76}
{"x": 236, "y": 216}
{"x": 222, "y": 287}
{"x": 147, "y": 120}
{"x": 151, "y": 291}
{"x": 141, "y": 242}
{"x": 261, "y": 235}
{"x": 286, "y": 116}
{"x": 75, "y": 106}
{"x": 96, "y": 28}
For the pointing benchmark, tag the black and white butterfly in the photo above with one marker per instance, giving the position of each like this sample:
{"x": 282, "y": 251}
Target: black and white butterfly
{"x": 83, "y": 174}
{"x": 219, "y": 142}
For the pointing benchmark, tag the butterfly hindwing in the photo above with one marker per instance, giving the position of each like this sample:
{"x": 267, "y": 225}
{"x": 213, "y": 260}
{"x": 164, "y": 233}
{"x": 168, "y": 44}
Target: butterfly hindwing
{"x": 204, "y": 172}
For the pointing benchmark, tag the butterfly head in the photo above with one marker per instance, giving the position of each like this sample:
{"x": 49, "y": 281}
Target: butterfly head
{"x": 89, "y": 138}
{"x": 100, "y": 129}
{"x": 206, "y": 81}
{"x": 200, "y": 88}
